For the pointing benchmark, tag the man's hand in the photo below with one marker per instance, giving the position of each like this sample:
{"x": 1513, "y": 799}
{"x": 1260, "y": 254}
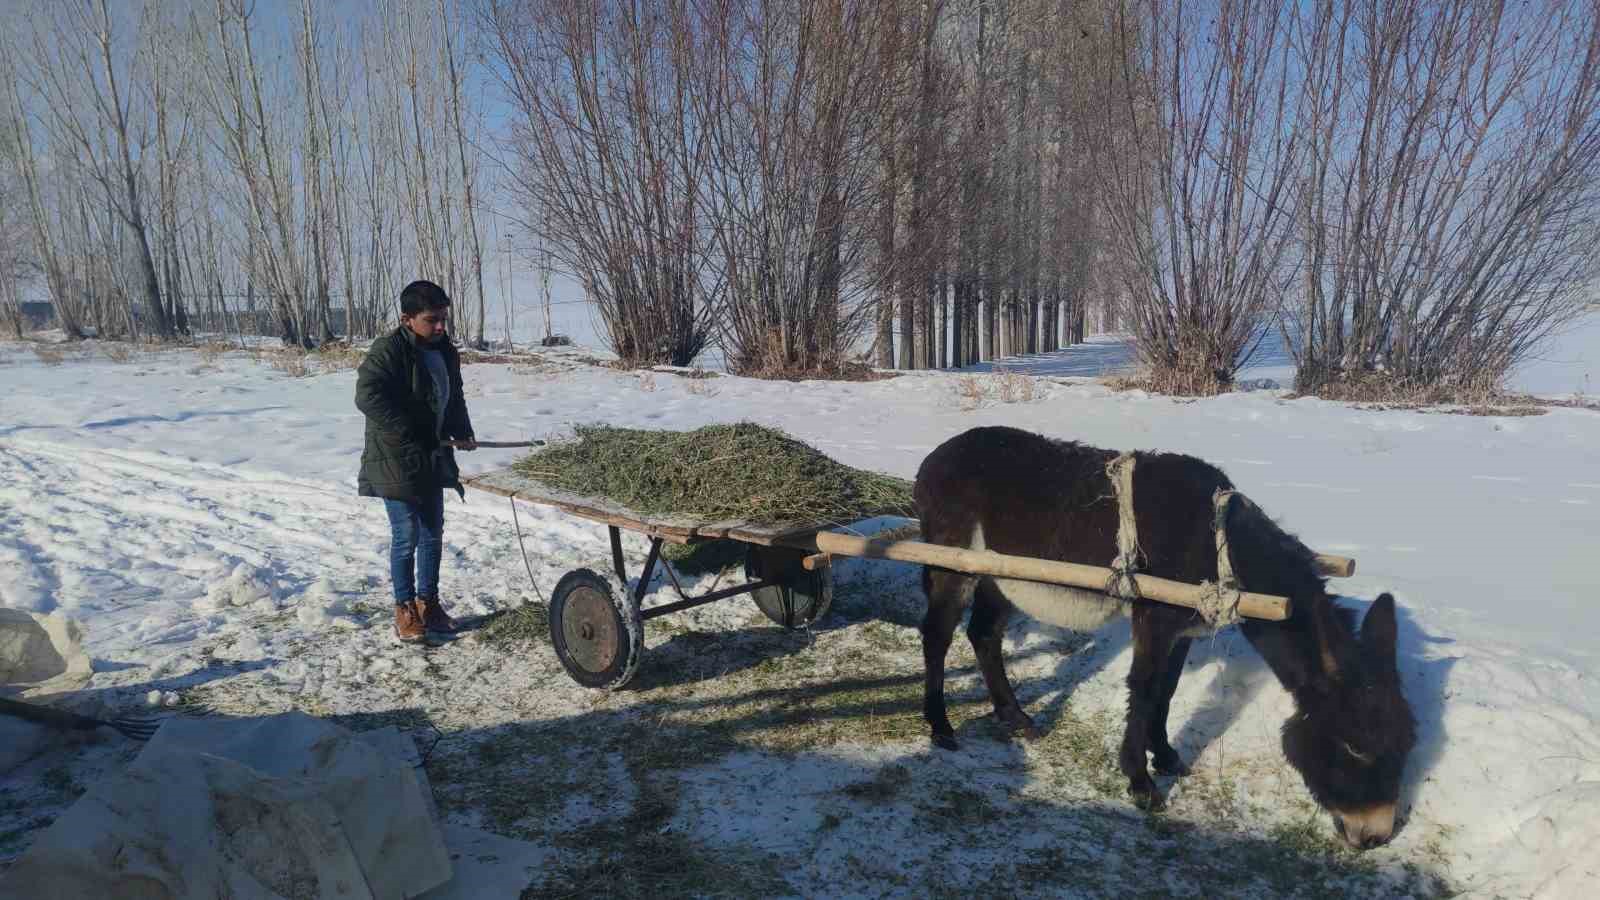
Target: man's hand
{"x": 466, "y": 444}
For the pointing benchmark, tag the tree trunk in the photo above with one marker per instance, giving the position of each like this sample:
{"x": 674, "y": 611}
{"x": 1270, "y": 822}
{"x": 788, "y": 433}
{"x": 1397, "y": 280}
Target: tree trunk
{"x": 889, "y": 276}
{"x": 908, "y": 330}
{"x": 944, "y": 322}
{"x": 134, "y": 216}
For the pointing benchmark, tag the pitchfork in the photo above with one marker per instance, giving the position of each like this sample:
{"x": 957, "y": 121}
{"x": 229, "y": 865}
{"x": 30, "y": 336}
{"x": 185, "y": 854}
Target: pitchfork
{"x": 139, "y": 729}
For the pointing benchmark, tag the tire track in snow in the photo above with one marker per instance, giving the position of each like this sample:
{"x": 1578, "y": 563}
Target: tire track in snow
{"x": 135, "y": 541}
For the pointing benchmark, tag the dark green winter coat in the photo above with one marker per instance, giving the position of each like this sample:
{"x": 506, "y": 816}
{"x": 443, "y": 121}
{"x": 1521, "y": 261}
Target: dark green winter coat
{"x": 393, "y": 390}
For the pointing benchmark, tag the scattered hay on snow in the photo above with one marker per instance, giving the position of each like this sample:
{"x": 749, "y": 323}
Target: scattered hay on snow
{"x": 526, "y": 623}
{"x": 741, "y": 471}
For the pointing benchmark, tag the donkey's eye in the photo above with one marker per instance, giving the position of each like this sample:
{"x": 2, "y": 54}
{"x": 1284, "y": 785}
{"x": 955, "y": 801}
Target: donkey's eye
{"x": 1363, "y": 758}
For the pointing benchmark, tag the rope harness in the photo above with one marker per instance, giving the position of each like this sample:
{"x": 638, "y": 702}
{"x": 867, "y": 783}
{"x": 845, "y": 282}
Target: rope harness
{"x": 1219, "y": 600}
{"x": 1121, "y": 584}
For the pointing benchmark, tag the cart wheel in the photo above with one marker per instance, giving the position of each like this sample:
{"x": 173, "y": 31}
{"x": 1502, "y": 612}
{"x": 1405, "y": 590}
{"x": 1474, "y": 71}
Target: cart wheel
{"x": 596, "y": 629}
{"x": 802, "y": 597}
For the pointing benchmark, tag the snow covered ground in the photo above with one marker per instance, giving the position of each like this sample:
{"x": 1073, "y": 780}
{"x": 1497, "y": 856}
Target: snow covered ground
{"x": 198, "y": 515}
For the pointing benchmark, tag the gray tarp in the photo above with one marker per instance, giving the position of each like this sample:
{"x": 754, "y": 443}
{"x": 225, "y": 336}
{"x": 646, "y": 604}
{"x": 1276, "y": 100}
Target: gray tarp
{"x": 284, "y": 806}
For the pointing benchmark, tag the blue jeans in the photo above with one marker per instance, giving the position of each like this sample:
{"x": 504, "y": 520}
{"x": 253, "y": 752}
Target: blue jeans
{"x": 416, "y": 541}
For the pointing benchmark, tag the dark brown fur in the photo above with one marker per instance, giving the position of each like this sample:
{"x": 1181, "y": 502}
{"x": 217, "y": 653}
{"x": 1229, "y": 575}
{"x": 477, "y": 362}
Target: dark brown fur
{"x": 1037, "y": 497}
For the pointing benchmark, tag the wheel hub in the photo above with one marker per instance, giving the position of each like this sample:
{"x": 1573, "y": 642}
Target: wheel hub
{"x": 590, "y": 629}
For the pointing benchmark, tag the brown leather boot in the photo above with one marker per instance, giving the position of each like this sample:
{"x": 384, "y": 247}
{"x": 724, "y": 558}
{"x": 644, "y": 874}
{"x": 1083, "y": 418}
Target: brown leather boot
{"x": 434, "y": 618}
{"x": 408, "y": 625}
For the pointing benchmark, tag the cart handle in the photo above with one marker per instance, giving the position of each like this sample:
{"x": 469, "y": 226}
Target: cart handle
{"x": 496, "y": 445}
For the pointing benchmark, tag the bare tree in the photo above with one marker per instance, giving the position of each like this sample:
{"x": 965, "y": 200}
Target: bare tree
{"x": 977, "y": 168}
{"x": 43, "y": 225}
{"x": 1077, "y": 48}
{"x": 435, "y": 171}
{"x": 76, "y": 67}
{"x": 787, "y": 99}
{"x": 1199, "y": 178}
{"x": 339, "y": 113}
{"x": 173, "y": 111}
{"x": 315, "y": 153}
{"x": 16, "y": 260}
{"x": 984, "y": 137}
{"x": 925, "y": 214}
{"x": 379, "y": 198}
{"x": 607, "y": 156}
{"x": 258, "y": 149}
{"x": 1451, "y": 193}
{"x": 467, "y": 161}
{"x": 892, "y": 60}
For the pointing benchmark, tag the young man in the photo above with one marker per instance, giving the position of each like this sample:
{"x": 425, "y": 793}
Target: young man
{"x": 409, "y": 388}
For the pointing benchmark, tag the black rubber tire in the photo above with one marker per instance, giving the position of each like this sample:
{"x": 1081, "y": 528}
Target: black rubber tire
{"x": 802, "y": 598}
{"x": 597, "y": 631}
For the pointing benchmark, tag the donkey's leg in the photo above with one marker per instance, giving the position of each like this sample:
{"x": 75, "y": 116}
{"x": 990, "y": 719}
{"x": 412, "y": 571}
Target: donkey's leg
{"x": 1152, "y": 648}
{"x": 986, "y": 631}
{"x": 949, "y": 593}
{"x": 1167, "y": 761}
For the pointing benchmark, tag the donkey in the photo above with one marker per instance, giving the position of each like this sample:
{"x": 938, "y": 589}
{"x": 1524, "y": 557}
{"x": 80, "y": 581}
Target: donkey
{"x": 1018, "y": 493}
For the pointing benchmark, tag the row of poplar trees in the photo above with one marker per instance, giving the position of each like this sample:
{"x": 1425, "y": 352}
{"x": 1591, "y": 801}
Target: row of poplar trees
{"x": 1404, "y": 189}
{"x": 795, "y": 182}
{"x": 176, "y": 167}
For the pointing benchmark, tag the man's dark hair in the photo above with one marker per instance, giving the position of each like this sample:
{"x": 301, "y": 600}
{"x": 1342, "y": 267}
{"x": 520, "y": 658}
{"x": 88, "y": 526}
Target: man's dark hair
{"x": 420, "y": 296}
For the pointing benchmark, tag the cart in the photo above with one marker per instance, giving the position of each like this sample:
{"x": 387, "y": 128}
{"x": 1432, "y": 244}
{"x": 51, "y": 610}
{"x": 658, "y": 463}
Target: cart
{"x": 597, "y": 623}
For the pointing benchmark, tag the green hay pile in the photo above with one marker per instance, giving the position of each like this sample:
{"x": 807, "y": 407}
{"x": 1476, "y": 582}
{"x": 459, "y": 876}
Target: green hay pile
{"x": 527, "y": 623}
{"x": 741, "y": 471}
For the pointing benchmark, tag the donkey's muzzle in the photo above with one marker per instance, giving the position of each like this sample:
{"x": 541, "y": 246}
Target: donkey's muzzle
{"x": 1365, "y": 828}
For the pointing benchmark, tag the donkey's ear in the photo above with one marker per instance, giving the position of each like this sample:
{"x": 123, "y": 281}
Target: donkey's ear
{"x": 1331, "y": 645}
{"x": 1378, "y": 633}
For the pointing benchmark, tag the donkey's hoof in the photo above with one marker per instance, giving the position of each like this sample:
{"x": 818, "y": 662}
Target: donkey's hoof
{"x": 1019, "y": 723}
{"x": 945, "y": 741}
{"x": 1148, "y": 799}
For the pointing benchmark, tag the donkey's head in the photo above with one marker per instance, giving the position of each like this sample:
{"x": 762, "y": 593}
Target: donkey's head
{"x": 1354, "y": 729}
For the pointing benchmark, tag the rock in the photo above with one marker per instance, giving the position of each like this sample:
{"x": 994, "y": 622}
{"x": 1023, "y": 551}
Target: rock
{"x": 41, "y": 655}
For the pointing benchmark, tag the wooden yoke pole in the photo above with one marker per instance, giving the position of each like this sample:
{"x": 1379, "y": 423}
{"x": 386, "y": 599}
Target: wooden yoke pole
{"x": 1024, "y": 568}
